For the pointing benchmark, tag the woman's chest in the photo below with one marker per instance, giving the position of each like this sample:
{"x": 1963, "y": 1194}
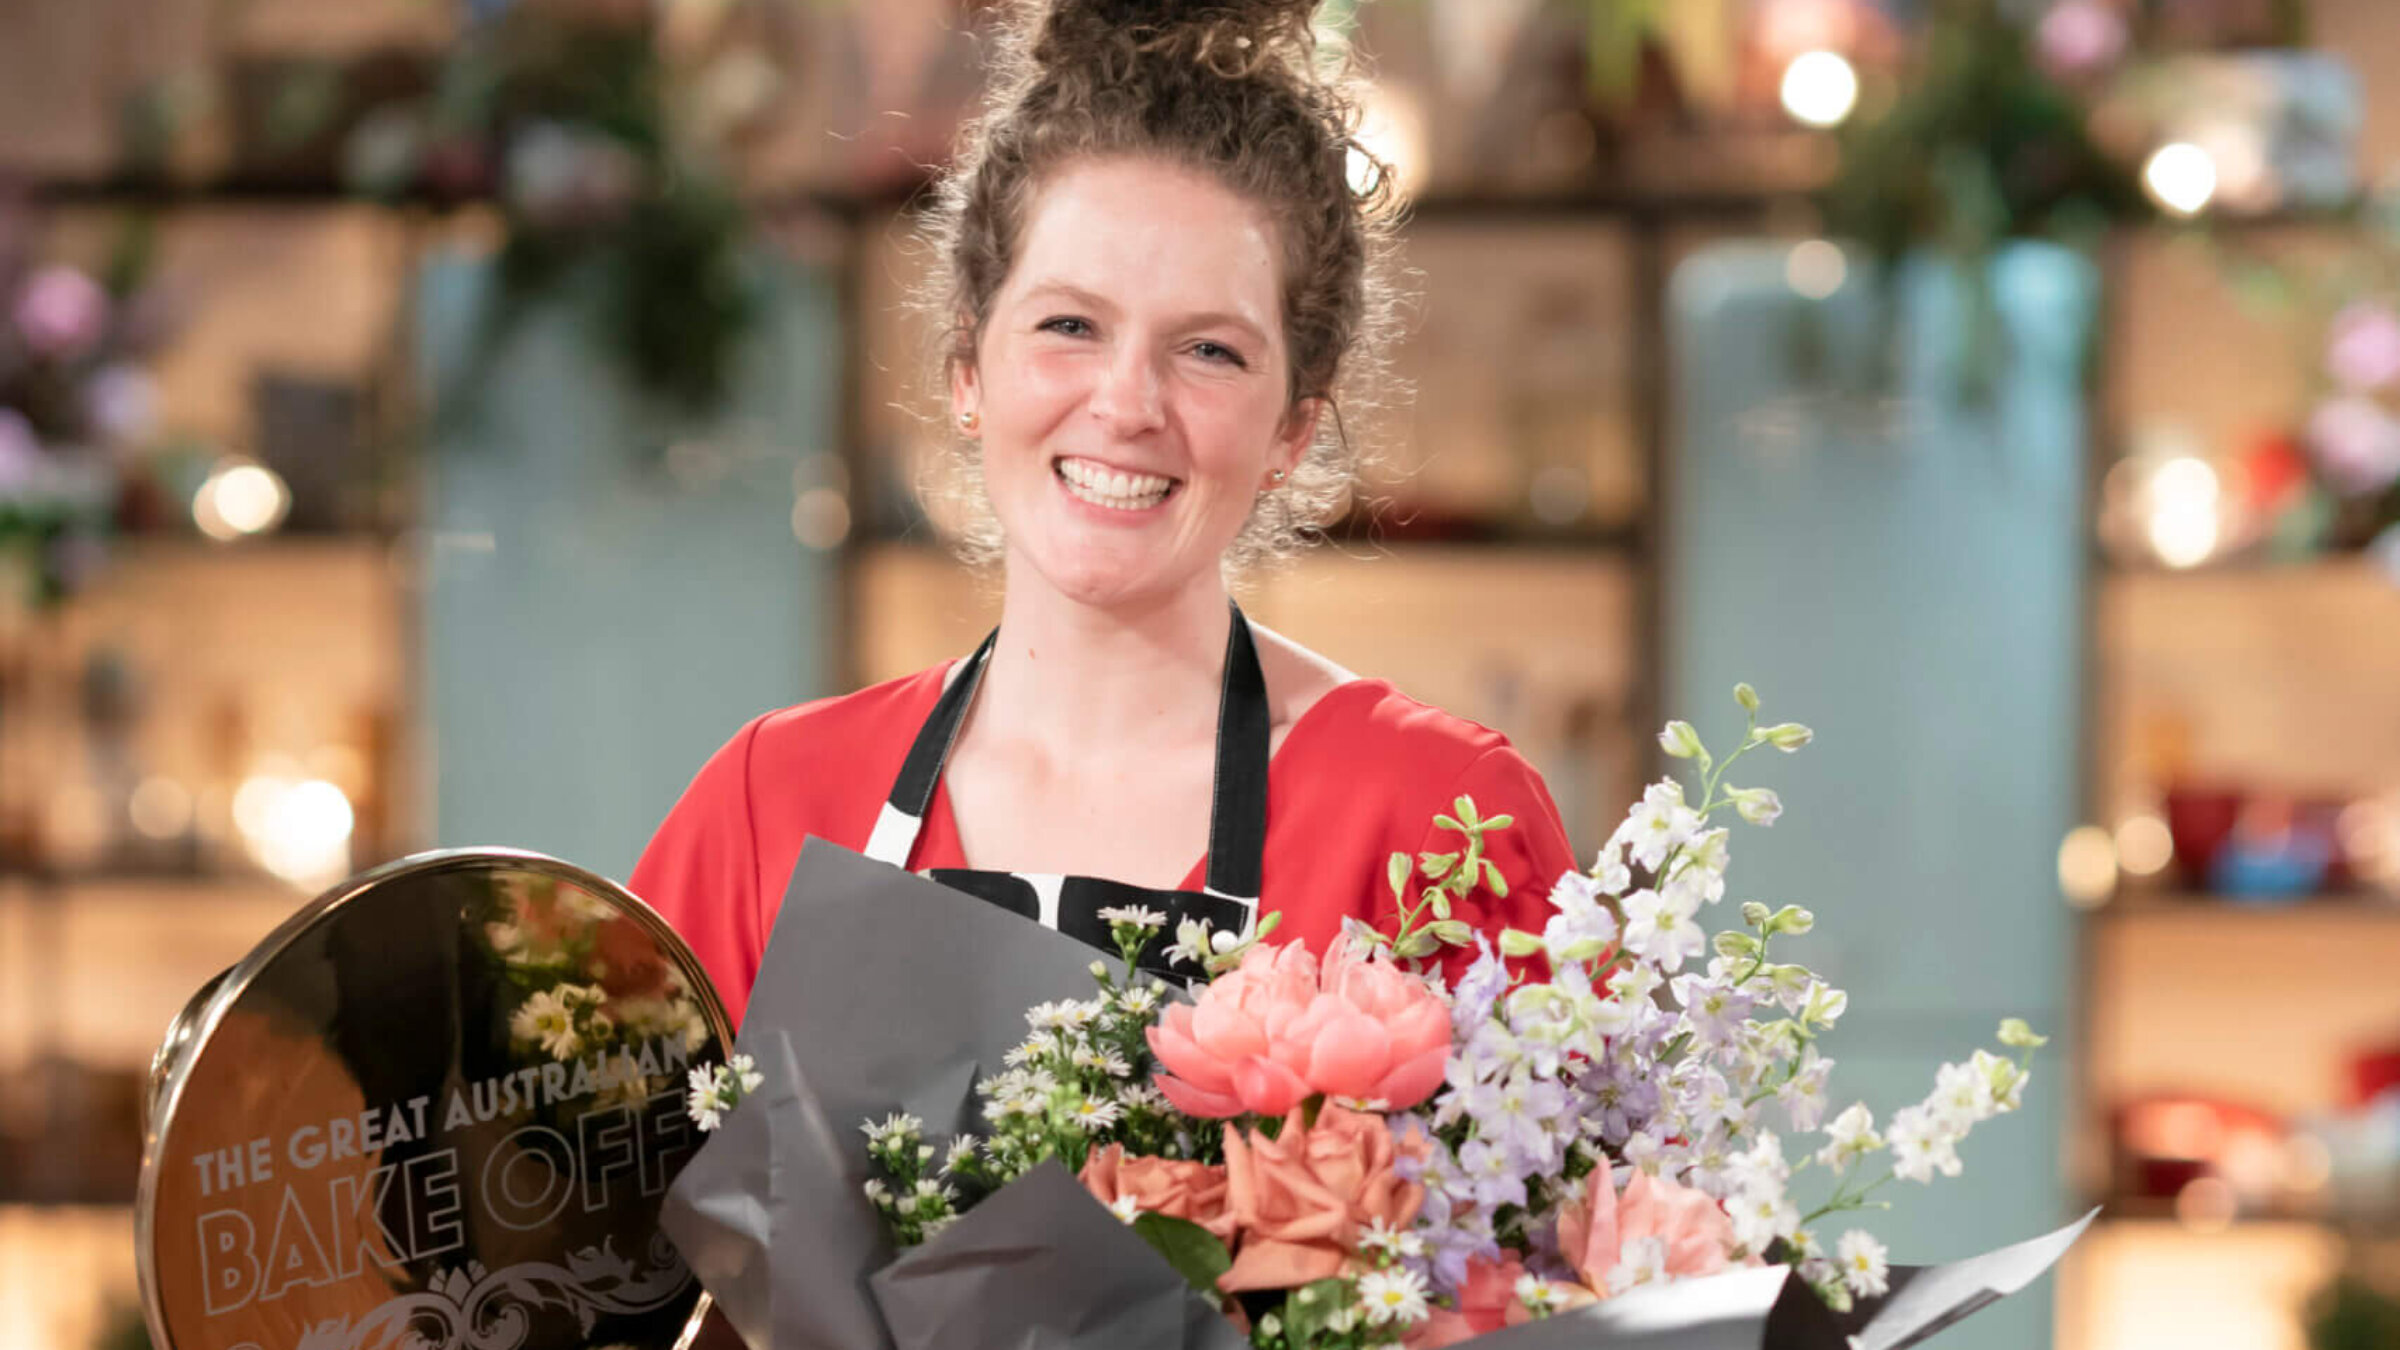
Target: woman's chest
{"x": 1139, "y": 820}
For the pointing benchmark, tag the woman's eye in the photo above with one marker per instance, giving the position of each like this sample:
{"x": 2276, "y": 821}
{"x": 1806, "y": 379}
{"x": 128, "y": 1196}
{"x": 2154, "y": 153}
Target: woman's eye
{"x": 1218, "y": 351}
{"x": 1067, "y": 325}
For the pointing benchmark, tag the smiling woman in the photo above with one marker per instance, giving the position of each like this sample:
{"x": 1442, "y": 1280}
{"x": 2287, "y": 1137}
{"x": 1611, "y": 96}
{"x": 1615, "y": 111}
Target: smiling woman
{"x": 1159, "y": 287}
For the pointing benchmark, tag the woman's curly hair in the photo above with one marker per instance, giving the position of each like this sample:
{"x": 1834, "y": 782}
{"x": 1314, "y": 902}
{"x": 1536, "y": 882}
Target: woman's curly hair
{"x": 1239, "y": 89}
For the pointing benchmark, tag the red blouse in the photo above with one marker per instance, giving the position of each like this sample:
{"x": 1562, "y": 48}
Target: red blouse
{"x": 1358, "y": 777}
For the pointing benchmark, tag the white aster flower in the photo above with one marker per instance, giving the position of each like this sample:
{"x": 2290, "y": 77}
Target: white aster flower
{"x": 879, "y": 1193}
{"x": 962, "y": 1152}
{"x": 1398, "y": 1244}
{"x": 1094, "y": 1114}
{"x": 1140, "y": 916}
{"x": 1140, "y": 1001}
{"x": 745, "y": 1072}
{"x": 1864, "y": 1267}
{"x": 1540, "y": 1296}
{"x": 897, "y": 1129}
{"x": 1124, "y": 1208}
{"x": 1392, "y": 1297}
{"x": 549, "y": 1018}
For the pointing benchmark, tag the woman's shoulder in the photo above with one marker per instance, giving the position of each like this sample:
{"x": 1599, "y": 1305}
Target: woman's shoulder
{"x": 880, "y": 713}
{"x": 1374, "y": 723}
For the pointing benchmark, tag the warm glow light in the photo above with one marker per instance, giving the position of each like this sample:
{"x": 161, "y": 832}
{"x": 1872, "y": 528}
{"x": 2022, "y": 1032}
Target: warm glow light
{"x": 240, "y": 498}
{"x": 160, "y": 808}
{"x": 1391, "y": 127}
{"x": 1815, "y": 269}
{"x": 2182, "y": 511}
{"x": 2181, "y": 177}
{"x": 1819, "y": 88}
{"x": 305, "y": 836}
{"x": 2307, "y": 1164}
{"x": 2087, "y": 866}
{"x": 2144, "y": 845}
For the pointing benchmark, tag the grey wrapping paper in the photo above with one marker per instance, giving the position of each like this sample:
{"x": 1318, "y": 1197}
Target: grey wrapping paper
{"x": 881, "y": 991}
{"x": 1042, "y": 1263}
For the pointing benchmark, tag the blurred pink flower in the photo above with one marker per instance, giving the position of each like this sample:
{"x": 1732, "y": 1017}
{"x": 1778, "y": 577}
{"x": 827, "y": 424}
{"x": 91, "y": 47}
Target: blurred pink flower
{"x": 1593, "y": 1231}
{"x": 2356, "y": 444}
{"x": 1280, "y": 1029}
{"x": 62, "y": 312}
{"x": 2362, "y": 346}
{"x": 20, "y": 455}
{"x": 2079, "y": 36}
{"x": 1487, "y": 1302}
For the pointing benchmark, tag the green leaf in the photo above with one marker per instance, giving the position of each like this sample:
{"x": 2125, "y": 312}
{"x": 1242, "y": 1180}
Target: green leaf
{"x": 1195, "y": 1252}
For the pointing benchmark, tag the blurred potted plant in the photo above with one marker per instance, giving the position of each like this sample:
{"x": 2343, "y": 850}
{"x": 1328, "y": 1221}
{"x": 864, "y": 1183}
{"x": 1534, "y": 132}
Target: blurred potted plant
{"x": 600, "y": 129}
{"x": 75, "y": 403}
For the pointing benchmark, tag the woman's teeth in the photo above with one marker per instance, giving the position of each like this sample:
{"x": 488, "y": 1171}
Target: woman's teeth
{"x": 1103, "y": 486}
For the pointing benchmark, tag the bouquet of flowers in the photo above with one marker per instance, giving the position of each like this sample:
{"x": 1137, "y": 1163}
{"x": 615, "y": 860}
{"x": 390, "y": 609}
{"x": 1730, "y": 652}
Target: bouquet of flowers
{"x": 1342, "y": 1150}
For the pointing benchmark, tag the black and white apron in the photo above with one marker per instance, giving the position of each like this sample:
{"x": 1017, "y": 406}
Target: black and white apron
{"x": 1237, "y": 826}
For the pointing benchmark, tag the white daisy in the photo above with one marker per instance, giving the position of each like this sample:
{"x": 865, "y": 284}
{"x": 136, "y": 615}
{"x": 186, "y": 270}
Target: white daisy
{"x": 1392, "y": 1296}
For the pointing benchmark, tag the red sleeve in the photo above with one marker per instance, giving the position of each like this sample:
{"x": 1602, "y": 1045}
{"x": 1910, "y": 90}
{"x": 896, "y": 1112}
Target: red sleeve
{"x": 700, "y": 871}
{"x": 1531, "y": 854}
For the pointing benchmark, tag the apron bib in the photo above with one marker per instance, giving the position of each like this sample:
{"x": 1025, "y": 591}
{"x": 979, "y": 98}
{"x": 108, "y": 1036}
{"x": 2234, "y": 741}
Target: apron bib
{"x": 1237, "y": 826}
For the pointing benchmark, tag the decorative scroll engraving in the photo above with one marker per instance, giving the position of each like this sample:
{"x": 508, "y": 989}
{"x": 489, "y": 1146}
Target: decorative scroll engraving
{"x": 470, "y": 1308}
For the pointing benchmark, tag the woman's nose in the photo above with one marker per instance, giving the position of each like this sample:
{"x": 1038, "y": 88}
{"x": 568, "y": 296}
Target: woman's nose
{"x": 1128, "y": 399}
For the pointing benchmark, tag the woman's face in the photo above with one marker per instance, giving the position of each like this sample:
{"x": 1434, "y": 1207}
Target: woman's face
{"x": 1130, "y": 381}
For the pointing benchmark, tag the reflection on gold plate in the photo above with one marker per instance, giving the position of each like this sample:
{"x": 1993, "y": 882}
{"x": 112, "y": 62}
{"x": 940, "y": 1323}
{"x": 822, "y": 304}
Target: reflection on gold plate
{"x": 439, "y": 1107}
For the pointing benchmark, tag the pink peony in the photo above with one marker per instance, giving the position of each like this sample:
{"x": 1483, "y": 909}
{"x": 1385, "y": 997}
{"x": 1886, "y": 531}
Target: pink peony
{"x": 1280, "y": 1029}
{"x": 1593, "y": 1231}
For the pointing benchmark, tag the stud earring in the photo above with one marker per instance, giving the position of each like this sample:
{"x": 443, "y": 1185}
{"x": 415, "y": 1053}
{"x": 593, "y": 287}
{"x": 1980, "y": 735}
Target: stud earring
{"x": 1278, "y": 475}
{"x": 968, "y": 421}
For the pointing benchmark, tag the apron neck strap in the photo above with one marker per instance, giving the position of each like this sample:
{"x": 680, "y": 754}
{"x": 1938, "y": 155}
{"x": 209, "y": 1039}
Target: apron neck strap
{"x": 1237, "y": 824}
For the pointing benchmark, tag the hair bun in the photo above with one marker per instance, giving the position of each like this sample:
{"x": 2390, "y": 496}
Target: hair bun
{"x": 1236, "y": 32}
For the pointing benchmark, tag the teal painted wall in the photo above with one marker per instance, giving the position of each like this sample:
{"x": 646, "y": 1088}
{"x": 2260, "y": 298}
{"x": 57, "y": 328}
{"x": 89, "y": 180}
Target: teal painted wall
{"x": 592, "y": 626}
{"x": 1902, "y": 572}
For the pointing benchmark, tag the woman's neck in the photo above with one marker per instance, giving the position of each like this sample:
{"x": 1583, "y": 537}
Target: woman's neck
{"x": 1082, "y": 681}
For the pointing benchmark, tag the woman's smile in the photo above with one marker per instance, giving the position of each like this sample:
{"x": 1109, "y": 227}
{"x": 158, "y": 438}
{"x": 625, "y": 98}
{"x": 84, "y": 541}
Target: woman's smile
{"x": 1118, "y": 492}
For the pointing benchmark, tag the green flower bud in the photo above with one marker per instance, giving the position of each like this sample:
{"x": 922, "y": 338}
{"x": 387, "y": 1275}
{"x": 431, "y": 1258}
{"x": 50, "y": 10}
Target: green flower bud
{"x": 1746, "y": 696}
{"x": 1455, "y": 932}
{"x": 1516, "y": 943}
{"x": 1755, "y": 914}
{"x": 1736, "y": 946}
{"x": 1793, "y": 919}
{"x": 1759, "y": 806}
{"x": 1680, "y": 740}
{"x": 2014, "y": 1032}
{"x": 1787, "y": 736}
